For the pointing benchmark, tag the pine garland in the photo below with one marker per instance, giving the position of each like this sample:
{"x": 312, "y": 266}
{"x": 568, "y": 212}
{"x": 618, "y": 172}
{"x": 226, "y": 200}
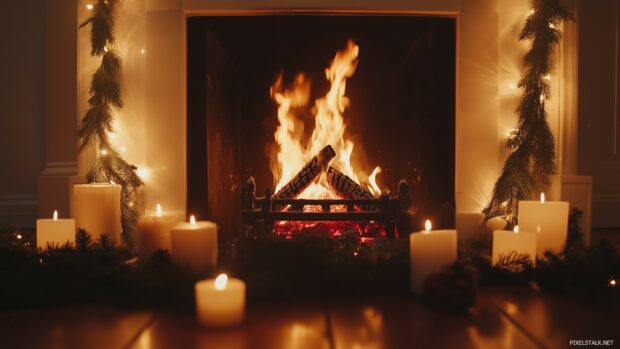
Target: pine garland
{"x": 105, "y": 96}
{"x": 527, "y": 169}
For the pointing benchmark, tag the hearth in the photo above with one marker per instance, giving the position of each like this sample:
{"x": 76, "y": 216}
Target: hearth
{"x": 327, "y": 111}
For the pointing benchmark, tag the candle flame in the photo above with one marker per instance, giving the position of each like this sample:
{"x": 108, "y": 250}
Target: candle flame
{"x": 428, "y": 225}
{"x": 542, "y": 197}
{"x": 55, "y": 215}
{"x": 221, "y": 281}
{"x": 192, "y": 220}
{"x": 158, "y": 210}
{"x": 516, "y": 229}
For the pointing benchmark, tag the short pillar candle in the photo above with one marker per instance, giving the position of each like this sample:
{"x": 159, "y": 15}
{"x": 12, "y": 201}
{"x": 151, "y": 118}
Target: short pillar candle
{"x": 54, "y": 231}
{"x": 549, "y": 219}
{"x": 430, "y": 251}
{"x": 220, "y": 302}
{"x": 153, "y": 233}
{"x": 195, "y": 243}
{"x": 97, "y": 209}
{"x": 521, "y": 242}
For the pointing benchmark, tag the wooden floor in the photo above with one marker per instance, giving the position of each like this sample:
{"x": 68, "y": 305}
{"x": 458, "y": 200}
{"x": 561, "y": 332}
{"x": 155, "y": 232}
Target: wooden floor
{"x": 515, "y": 318}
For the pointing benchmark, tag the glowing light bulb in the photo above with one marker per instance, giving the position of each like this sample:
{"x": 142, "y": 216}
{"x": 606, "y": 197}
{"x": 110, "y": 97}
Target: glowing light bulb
{"x": 532, "y": 12}
{"x": 542, "y": 198}
{"x": 105, "y": 49}
{"x": 547, "y": 77}
{"x": 158, "y": 210}
{"x": 19, "y": 236}
{"x": 516, "y": 229}
{"x": 427, "y": 226}
{"x": 612, "y": 282}
{"x": 142, "y": 51}
{"x": 123, "y": 149}
{"x": 143, "y": 172}
{"x": 513, "y": 86}
{"x": 551, "y": 25}
{"x": 89, "y": 7}
{"x": 104, "y": 152}
{"x": 192, "y": 220}
{"x": 221, "y": 281}
{"x": 55, "y": 215}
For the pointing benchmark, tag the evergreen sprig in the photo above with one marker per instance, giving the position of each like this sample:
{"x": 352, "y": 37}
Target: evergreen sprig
{"x": 532, "y": 161}
{"x": 105, "y": 96}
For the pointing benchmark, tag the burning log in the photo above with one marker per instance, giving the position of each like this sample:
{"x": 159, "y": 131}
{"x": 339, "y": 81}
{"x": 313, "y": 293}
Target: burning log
{"x": 308, "y": 174}
{"x": 345, "y": 186}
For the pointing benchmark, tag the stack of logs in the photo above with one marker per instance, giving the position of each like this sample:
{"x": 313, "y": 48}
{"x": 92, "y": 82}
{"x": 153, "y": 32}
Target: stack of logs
{"x": 342, "y": 184}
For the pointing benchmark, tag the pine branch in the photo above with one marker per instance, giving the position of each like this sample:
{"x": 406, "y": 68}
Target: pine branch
{"x": 83, "y": 241}
{"x": 532, "y": 160}
{"x": 514, "y": 261}
{"x": 105, "y": 94}
{"x": 102, "y": 24}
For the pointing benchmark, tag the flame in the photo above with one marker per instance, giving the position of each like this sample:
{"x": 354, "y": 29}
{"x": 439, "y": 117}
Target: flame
{"x": 192, "y": 220}
{"x": 427, "y": 226}
{"x": 294, "y": 148}
{"x": 516, "y": 229}
{"x": 55, "y": 215}
{"x": 158, "y": 210}
{"x": 542, "y": 197}
{"x": 221, "y": 281}
{"x": 372, "y": 180}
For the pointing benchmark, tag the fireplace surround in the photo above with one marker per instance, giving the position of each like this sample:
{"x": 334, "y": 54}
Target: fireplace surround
{"x": 398, "y": 115}
{"x": 152, "y": 126}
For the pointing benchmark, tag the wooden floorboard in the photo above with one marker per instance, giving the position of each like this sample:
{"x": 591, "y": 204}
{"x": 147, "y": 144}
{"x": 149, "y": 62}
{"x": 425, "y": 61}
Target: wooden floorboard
{"x": 504, "y": 317}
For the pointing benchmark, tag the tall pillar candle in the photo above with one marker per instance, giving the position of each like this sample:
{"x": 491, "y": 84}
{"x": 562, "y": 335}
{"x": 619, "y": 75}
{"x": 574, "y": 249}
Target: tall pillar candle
{"x": 549, "y": 219}
{"x": 220, "y": 302}
{"x": 97, "y": 209}
{"x": 195, "y": 243}
{"x": 54, "y": 231}
{"x": 430, "y": 251}
{"x": 517, "y": 240}
{"x": 153, "y": 233}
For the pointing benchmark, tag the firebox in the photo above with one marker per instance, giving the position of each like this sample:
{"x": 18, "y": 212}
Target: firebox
{"x": 321, "y": 124}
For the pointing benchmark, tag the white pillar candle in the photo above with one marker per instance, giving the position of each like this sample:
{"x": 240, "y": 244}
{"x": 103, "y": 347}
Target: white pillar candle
{"x": 153, "y": 233}
{"x": 220, "y": 302}
{"x": 55, "y": 231}
{"x": 430, "y": 251}
{"x": 549, "y": 219}
{"x": 506, "y": 241}
{"x": 195, "y": 243}
{"x": 97, "y": 209}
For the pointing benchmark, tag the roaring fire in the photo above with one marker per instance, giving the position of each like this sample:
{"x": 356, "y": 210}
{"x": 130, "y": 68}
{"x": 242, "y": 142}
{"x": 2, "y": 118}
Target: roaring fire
{"x": 295, "y": 148}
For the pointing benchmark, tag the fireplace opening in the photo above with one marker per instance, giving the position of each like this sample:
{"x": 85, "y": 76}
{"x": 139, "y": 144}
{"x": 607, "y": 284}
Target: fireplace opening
{"x": 258, "y": 85}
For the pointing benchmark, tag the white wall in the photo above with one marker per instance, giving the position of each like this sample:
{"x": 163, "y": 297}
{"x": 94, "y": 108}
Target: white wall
{"x": 599, "y": 106}
{"x": 21, "y": 108}
{"x": 156, "y": 105}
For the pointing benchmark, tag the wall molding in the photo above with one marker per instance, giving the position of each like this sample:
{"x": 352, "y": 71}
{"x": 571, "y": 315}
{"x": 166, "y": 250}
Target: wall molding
{"x": 19, "y": 210}
{"x": 606, "y": 198}
{"x": 61, "y": 168}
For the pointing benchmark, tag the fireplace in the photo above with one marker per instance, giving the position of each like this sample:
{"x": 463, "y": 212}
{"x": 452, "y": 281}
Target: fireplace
{"x": 261, "y": 103}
